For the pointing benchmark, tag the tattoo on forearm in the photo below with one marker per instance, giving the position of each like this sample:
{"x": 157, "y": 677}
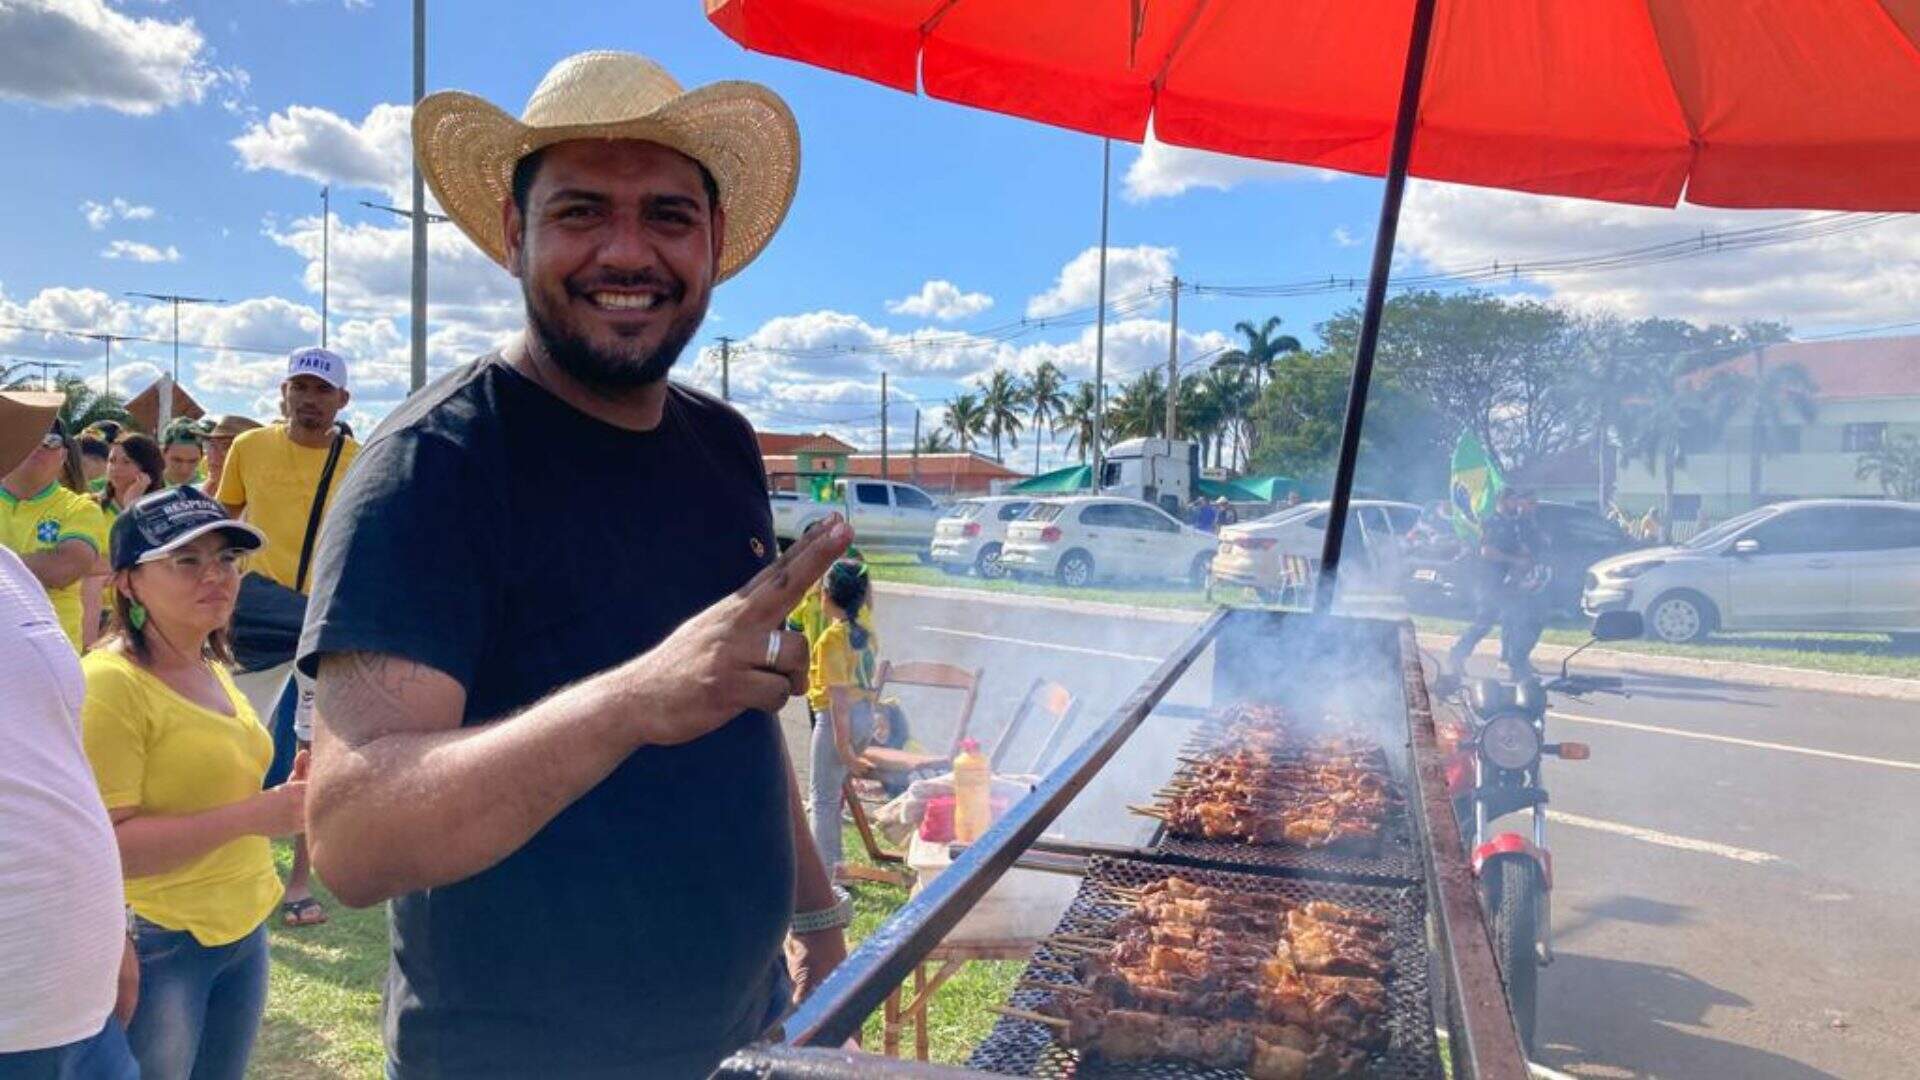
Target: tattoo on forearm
{"x": 360, "y": 693}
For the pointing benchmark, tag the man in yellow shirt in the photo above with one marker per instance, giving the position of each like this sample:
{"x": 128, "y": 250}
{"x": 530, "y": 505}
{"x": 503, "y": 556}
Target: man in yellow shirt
{"x": 268, "y": 480}
{"x": 271, "y": 473}
{"x": 58, "y": 534}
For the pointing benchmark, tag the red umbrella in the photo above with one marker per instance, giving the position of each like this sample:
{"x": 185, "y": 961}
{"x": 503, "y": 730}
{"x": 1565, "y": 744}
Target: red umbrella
{"x": 1747, "y": 103}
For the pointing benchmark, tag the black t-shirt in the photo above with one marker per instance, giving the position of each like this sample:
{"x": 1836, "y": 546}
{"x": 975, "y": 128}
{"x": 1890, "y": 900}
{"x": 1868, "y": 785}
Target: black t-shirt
{"x": 495, "y": 533}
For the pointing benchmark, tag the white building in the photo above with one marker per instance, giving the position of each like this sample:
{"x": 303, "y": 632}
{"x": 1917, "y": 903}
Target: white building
{"x": 1866, "y": 391}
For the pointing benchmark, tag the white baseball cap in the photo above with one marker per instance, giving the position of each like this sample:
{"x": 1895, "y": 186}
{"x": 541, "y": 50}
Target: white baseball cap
{"x": 323, "y": 364}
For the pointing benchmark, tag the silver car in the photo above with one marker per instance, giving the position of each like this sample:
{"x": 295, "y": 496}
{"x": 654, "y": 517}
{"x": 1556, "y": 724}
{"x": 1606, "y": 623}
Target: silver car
{"x": 1820, "y": 564}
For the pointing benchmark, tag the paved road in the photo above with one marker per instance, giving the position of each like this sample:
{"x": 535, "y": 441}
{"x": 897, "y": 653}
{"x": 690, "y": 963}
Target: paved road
{"x": 1737, "y": 867}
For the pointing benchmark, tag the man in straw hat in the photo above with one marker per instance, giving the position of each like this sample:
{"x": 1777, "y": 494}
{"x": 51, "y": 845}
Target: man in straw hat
{"x": 547, "y": 621}
{"x": 63, "y": 938}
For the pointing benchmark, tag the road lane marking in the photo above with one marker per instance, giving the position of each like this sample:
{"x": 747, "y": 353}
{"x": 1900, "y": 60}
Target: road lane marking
{"x": 1042, "y": 644}
{"x": 1757, "y": 744}
{"x": 1682, "y": 843}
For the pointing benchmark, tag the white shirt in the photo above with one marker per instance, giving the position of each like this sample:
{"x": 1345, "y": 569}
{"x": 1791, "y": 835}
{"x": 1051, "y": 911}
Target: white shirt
{"x": 62, "y": 921}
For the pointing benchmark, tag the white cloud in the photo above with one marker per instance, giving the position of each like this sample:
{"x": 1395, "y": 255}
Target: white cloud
{"x": 371, "y": 270}
{"x": 1343, "y": 237}
{"x": 70, "y": 53}
{"x": 1130, "y": 272}
{"x": 321, "y": 145}
{"x": 942, "y": 300}
{"x": 1855, "y": 278}
{"x": 134, "y": 251}
{"x": 1162, "y": 171}
{"x": 100, "y": 215}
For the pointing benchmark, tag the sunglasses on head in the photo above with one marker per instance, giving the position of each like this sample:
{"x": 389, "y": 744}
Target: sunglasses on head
{"x": 53, "y": 439}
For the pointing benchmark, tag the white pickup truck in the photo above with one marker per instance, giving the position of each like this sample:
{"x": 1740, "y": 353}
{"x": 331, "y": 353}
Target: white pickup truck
{"x": 886, "y": 515}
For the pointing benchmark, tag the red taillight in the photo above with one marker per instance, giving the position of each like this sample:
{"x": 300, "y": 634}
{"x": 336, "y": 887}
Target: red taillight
{"x": 1254, "y": 543}
{"x": 1050, "y": 534}
{"x": 972, "y": 528}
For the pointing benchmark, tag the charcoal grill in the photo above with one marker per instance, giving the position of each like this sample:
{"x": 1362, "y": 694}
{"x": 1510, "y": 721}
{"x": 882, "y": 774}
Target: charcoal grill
{"x": 1026, "y": 1048}
{"x": 1360, "y": 667}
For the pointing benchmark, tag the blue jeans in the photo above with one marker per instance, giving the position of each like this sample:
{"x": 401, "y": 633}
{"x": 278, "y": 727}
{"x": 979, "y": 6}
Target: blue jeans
{"x": 827, "y": 776}
{"x": 199, "y": 1007}
{"x": 104, "y": 1056}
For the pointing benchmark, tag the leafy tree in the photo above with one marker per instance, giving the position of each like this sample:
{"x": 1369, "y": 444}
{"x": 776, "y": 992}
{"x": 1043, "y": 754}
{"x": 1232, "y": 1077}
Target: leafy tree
{"x": 1405, "y": 442}
{"x": 966, "y": 419}
{"x": 1673, "y": 414}
{"x": 1139, "y": 410}
{"x": 1046, "y": 397}
{"x": 1001, "y": 401}
{"x": 1771, "y": 400}
{"x": 1895, "y": 465}
{"x": 1078, "y": 420}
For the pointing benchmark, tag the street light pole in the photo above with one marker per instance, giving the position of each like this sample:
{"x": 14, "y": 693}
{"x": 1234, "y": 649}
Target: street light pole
{"x": 419, "y": 317}
{"x": 326, "y": 231}
{"x": 176, "y": 301}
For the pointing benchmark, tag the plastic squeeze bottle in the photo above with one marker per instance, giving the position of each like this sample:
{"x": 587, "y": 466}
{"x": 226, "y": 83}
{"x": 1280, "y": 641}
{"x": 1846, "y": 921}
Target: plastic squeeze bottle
{"x": 972, "y": 790}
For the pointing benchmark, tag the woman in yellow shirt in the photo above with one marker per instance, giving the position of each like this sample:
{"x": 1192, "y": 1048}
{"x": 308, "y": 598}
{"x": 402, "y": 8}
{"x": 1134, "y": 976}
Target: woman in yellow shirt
{"x": 179, "y": 756}
{"x": 840, "y": 693}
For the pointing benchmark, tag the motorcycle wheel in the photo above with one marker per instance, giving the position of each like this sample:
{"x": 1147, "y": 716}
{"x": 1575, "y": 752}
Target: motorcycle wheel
{"x": 1512, "y": 900}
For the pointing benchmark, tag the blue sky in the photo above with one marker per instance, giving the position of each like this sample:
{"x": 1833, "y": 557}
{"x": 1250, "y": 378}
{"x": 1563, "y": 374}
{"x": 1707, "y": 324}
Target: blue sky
{"x": 180, "y": 147}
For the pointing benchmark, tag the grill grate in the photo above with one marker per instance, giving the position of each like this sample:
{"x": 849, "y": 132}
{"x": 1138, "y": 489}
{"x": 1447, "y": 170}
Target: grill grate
{"x": 1025, "y": 1048}
{"x": 1394, "y": 861}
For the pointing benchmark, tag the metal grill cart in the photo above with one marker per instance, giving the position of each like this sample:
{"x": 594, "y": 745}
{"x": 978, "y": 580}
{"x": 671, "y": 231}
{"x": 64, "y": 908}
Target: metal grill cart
{"x": 1443, "y": 971}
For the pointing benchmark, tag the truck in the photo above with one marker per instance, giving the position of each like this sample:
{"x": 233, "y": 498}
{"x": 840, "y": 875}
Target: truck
{"x": 1164, "y": 472}
{"x": 886, "y": 515}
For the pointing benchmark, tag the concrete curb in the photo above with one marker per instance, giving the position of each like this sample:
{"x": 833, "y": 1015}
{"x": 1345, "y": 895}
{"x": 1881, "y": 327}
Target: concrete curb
{"x": 1734, "y": 671}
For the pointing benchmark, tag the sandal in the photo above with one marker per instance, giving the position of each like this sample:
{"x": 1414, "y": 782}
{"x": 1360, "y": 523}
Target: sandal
{"x": 303, "y": 912}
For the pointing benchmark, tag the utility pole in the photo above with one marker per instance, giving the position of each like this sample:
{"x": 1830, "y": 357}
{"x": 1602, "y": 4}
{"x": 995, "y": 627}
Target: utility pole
{"x": 176, "y": 301}
{"x": 106, "y": 378}
{"x": 726, "y": 357}
{"x": 326, "y": 232}
{"x": 883, "y": 426}
{"x": 1100, "y": 321}
{"x": 1173, "y": 364}
{"x": 418, "y": 319}
{"x": 916, "y": 448}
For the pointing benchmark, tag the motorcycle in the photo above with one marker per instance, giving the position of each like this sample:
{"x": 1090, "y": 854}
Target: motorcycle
{"x": 1493, "y": 769}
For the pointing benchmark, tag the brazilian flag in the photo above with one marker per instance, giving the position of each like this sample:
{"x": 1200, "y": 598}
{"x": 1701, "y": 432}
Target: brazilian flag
{"x": 1475, "y": 485}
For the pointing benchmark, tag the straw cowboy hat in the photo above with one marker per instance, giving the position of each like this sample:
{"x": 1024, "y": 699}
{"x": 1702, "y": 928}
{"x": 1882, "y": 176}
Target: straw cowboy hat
{"x": 742, "y": 132}
{"x": 25, "y": 418}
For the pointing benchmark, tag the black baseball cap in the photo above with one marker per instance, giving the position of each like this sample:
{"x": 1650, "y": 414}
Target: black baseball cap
{"x": 165, "y": 521}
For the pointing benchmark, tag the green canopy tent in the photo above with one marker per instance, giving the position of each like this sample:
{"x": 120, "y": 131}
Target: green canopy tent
{"x": 1268, "y": 488}
{"x": 1065, "y": 481}
{"x": 1234, "y": 491}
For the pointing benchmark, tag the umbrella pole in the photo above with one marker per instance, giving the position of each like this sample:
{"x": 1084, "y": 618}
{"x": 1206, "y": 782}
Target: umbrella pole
{"x": 1383, "y": 238}
{"x": 1100, "y": 319}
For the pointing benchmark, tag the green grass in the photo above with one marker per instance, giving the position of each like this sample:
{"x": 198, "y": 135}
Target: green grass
{"x": 323, "y": 998}
{"x": 323, "y": 1002}
{"x": 1847, "y": 654}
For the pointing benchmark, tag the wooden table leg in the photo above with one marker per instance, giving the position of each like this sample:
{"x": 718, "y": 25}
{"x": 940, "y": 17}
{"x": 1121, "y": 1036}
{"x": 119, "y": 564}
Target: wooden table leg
{"x": 890, "y": 1025}
{"x": 919, "y": 1018}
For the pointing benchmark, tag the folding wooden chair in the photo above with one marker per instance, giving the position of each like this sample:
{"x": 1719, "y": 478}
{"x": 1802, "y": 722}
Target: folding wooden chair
{"x": 907, "y": 673}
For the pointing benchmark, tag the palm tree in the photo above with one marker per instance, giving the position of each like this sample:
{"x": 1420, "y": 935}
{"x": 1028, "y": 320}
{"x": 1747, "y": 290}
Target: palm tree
{"x": 1139, "y": 410}
{"x": 1265, "y": 345}
{"x": 1001, "y": 399}
{"x": 1772, "y": 398}
{"x": 1045, "y": 399}
{"x": 1672, "y": 416}
{"x": 1896, "y": 465}
{"x": 84, "y": 406}
{"x": 1200, "y": 413}
{"x": 1077, "y": 419}
{"x": 966, "y": 419}
{"x": 1228, "y": 384}
{"x": 935, "y": 442}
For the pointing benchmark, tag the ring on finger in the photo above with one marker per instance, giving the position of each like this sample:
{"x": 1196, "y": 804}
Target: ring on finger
{"x": 773, "y": 649}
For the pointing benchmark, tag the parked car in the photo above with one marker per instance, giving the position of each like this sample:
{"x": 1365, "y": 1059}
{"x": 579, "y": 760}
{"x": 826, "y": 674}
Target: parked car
{"x": 1253, "y": 553}
{"x": 1818, "y": 564}
{"x": 1576, "y": 538}
{"x": 886, "y": 515}
{"x": 1086, "y": 538}
{"x": 969, "y": 536}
